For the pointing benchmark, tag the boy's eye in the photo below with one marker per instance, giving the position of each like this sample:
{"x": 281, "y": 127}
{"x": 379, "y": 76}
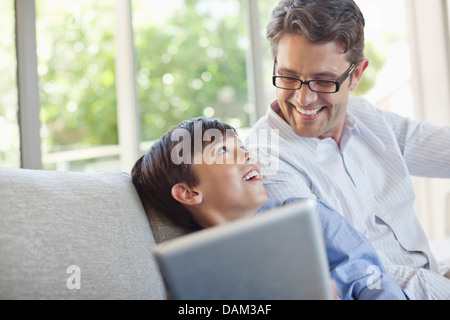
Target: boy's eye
{"x": 222, "y": 150}
{"x": 225, "y": 149}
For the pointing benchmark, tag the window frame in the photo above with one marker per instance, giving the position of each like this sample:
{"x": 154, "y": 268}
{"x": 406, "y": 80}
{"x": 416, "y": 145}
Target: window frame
{"x": 28, "y": 85}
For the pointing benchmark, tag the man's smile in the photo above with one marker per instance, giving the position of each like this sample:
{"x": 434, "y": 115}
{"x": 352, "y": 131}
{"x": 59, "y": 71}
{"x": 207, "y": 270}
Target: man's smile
{"x": 309, "y": 112}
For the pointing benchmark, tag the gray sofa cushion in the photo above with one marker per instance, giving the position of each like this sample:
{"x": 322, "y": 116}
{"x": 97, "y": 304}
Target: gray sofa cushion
{"x": 164, "y": 229}
{"x": 61, "y": 229}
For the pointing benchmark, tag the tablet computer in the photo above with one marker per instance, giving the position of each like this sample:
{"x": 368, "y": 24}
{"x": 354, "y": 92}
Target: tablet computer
{"x": 276, "y": 255}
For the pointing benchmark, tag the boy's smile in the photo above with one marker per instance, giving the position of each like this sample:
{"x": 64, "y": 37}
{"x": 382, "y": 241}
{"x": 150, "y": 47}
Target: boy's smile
{"x": 253, "y": 175}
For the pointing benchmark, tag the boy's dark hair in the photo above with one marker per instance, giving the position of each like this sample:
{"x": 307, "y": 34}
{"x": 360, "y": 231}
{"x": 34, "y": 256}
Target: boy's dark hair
{"x": 155, "y": 173}
{"x": 320, "y": 21}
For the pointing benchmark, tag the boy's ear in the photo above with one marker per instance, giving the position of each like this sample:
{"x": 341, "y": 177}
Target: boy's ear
{"x": 185, "y": 195}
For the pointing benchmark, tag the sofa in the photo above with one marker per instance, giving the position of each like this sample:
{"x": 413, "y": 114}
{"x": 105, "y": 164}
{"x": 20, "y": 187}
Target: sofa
{"x": 82, "y": 236}
{"x": 69, "y": 235}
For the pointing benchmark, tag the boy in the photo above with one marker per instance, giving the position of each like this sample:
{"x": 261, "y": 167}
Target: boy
{"x": 200, "y": 175}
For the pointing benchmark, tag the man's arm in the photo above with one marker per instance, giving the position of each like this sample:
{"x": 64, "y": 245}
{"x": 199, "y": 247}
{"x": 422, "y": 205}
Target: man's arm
{"x": 425, "y": 147}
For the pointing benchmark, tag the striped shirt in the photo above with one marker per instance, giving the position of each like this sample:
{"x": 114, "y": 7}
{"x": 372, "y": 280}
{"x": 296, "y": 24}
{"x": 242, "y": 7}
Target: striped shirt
{"x": 367, "y": 179}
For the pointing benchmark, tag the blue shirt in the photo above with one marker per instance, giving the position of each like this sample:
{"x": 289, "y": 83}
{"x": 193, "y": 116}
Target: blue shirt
{"x": 354, "y": 264}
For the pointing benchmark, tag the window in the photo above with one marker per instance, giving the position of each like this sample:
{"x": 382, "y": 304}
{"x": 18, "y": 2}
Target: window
{"x": 9, "y": 128}
{"x": 75, "y": 48}
{"x": 388, "y": 80}
{"x": 265, "y": 9}
{"x": 191, "y": 62}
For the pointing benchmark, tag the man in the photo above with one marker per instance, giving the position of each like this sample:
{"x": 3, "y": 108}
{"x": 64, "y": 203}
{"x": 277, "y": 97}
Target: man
{"x": 342, "y": 150}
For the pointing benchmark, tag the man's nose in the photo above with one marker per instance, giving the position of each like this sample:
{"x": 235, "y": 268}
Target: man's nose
{"x": 305, "y": 96}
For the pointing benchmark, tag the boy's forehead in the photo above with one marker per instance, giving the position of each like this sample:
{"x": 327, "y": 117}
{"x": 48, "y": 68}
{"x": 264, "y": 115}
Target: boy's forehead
{"x": 218, "y": 134}
{"x": 229, "y": 138}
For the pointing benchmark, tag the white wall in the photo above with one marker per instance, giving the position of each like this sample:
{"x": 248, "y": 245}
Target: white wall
{"x": 429, "y": 37}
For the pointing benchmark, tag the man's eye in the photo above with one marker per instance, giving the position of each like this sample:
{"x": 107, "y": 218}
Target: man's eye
{"x": 289, "y": 80}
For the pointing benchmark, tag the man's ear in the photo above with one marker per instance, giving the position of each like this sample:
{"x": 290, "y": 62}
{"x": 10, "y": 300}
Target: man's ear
{"x": 185, "y": 195}
{"x": 358, "y": 73}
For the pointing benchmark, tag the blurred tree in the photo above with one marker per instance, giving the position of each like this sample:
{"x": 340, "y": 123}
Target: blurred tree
{"x": 193, "y": 66}
{"x": 9, "y": 126}
{"x": 376, "y": 62}
{"x": 77, "y": 77}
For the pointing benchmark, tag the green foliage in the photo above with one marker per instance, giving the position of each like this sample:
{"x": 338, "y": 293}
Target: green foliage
{"x": 194, "y": 63}
{"x": 9, "y": 130}
{"x": 77, "y": 77}
{"x": 376, "y": 63}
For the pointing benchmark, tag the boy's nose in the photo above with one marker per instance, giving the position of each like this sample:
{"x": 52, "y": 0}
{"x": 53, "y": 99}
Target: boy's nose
{"x": 249, "y": 157}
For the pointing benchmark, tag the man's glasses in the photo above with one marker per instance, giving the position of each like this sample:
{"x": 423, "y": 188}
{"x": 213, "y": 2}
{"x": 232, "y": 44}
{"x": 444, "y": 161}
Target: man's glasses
{"x": 319, "y": 86}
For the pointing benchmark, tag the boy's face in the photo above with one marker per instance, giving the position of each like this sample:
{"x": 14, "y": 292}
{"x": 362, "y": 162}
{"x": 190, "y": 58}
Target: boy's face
{"x": 230, "y": 180}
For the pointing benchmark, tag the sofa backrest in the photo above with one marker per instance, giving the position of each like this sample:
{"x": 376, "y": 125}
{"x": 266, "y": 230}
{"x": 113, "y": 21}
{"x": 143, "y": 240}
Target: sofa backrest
{"x": 67, "y": 235}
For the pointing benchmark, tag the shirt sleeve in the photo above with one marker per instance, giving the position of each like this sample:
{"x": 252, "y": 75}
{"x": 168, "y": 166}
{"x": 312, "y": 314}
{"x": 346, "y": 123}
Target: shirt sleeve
{"x": 354, "y": 264}
{"x": 421, "y": 284}
{"x": 425, "y": 147}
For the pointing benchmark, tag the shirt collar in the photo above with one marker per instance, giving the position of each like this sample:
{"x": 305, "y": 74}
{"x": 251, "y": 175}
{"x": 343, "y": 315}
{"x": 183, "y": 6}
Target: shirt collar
{"x": 357, "y": 127}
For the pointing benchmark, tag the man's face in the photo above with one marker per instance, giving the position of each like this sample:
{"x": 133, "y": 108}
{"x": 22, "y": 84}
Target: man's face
{"x": 312, "y": 114}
